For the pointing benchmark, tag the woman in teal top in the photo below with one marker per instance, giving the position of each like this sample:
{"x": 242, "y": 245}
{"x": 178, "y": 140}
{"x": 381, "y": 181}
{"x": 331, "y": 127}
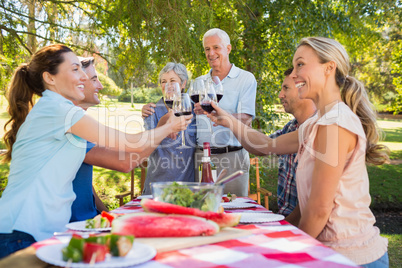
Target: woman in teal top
{"x": 46, "y": 145}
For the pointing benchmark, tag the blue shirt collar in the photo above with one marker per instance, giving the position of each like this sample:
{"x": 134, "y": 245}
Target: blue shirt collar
{"x": 233, "y": 73}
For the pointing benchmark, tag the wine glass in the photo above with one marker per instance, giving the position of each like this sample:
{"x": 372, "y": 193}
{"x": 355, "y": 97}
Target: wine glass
{"x": 170, "y": 93}
{"x": 196, "y": 86}
{"x": 182, "y": 106}
{"x": 207, "y": 96}
{"x": 218, "y": 87}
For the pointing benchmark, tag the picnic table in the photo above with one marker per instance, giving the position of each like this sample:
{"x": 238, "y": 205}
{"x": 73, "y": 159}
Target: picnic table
{"x": 268, "y": 244}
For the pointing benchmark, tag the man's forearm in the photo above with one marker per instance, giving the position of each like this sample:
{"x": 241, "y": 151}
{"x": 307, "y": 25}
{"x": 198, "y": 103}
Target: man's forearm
{"x": 244, "y": 118}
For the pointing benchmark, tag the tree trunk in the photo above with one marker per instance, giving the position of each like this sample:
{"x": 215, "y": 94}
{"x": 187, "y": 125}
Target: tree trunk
{"x": 32, "y": 43}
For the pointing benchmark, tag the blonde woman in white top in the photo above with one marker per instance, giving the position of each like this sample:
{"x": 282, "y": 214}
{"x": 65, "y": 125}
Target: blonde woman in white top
{"x": 333, "y": 149}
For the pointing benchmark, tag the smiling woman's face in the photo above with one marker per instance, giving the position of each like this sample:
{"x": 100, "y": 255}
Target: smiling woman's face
{"x": 308, "y": 73}
{"x": 70, "y": 78}
{"x": 170, "y": 76}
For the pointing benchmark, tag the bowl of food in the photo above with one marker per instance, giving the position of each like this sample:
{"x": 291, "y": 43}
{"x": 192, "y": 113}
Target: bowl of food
{"x": 204, "y": 196}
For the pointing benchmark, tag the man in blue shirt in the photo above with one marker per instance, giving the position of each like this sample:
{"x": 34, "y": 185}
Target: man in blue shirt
{"x": 301, "y": 109}
{"x": 87, "y": 203}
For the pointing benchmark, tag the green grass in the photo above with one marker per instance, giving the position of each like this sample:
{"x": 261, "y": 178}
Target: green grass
{"x": 385, "y": 185}
{"x": 395, "y": 155}
{"x": 393, "y": 134}
{"x": 108, "y": 183}
{"x": 394, "y": 249}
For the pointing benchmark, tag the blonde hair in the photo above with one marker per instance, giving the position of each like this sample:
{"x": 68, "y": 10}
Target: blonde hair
{"x": 353, "y": 94}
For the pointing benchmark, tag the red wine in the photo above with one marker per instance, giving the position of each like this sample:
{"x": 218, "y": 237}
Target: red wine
{"x": 169, "y": 103}
{"x": 207, "y": 107}
{"x": 219, "y": 96}
{"x": 182, "y": 113}
{"x": 195, "y": 98}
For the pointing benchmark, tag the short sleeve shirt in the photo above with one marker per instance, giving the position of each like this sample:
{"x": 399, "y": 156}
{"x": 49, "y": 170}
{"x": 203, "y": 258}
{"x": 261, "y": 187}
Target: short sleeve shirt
{"x": 84, "y": 207}
{"x": 169, "y": 162}
{"x": 287, "y": 191}
{"x": 240, "y": 88}
{"x": 349, "y": 229}
{"x": 45, "y": 159}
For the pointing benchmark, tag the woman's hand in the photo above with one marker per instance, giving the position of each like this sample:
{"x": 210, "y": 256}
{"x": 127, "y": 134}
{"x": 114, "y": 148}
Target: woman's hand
{"x": 178, "y": 123}
{"x": 198, "y": 109}
{"x": 147, "y": 109}
{"x": 220, "y": 116}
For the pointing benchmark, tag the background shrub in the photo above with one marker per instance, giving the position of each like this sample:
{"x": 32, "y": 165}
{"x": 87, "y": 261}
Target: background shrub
{"x": 141, "y": 95}
{"x": 109, "y": 86}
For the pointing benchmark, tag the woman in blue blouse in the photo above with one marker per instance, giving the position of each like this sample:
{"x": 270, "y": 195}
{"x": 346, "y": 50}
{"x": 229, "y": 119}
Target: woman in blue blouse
{"x": 169, "y": 162}
{"x": 46, "y": 145}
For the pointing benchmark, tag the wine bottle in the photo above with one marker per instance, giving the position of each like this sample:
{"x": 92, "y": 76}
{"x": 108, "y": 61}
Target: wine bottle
{"x": 207, "y": 169}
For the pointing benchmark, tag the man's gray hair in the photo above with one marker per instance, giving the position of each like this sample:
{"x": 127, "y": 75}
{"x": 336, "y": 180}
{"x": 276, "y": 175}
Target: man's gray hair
{"x": 178, "y": 68}
{"x": 86, "y": 61}
{"x": 220, "y": 33}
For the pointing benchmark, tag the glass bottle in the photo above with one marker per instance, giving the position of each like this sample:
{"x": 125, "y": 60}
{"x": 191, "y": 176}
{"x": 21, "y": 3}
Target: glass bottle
{"x": 207, "y": 169}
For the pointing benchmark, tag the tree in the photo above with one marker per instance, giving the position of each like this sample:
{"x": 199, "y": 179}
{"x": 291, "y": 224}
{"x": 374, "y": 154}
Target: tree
{"x": 137, "y": 38}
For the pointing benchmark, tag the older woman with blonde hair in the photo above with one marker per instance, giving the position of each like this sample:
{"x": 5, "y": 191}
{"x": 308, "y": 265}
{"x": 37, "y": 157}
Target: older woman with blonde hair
{"x": 333, "y": 148}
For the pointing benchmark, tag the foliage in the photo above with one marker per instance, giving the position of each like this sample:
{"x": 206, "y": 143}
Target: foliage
{"x": 396, "y": 105}
{"x": 4, "y": 170}
{"x": 137, "y": 38}
{"x": 109, "y": 86}
{"x": 141, "y": 95}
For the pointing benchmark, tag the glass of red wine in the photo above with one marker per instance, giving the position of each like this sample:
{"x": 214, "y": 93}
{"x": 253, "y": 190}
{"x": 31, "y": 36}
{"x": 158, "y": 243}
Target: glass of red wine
{"x": 182, "y": 106}
{"x": 170, "y": 93}
{"x": 218, "y": 87}
{"x": 207, "y": 96}
{"x": 196, "y": 86}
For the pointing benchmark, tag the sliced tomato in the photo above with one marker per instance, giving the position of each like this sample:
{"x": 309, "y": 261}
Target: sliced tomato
{"x": 108, "y": 216}
{"x": 94, "y": 252}
{"x": 225, "y": 199}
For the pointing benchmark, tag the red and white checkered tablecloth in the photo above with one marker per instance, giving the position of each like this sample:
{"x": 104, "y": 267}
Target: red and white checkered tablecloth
{"x": 273, "y": 244}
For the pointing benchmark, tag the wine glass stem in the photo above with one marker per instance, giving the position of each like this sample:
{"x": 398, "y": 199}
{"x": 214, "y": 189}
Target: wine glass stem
{"x": 183, "y": 139}
{"x": 210, "y": 123}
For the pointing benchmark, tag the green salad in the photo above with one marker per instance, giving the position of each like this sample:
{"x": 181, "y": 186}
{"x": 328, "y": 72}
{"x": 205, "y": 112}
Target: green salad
{"x": 177, "y": 194}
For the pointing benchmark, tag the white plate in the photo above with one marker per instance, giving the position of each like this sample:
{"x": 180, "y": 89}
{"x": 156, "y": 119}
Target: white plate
{"x": 234, "y": 205}
{"x": 80, "y": 226}
{"x": 145, "y": 196}
{"x": 241, "y": 200}
{"x": 260, "y": 217}
{"x": 138, "y": 254}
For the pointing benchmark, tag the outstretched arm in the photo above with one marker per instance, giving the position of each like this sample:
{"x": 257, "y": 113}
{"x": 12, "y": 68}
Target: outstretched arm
{"x": 252, "y": 140}
{"x": 93, "y": 131}
{"x": 116, "y": 160}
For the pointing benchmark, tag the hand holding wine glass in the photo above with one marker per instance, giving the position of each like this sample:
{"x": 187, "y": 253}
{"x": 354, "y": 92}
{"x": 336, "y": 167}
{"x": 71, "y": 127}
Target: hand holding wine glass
{"x": 182, "y": 106}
